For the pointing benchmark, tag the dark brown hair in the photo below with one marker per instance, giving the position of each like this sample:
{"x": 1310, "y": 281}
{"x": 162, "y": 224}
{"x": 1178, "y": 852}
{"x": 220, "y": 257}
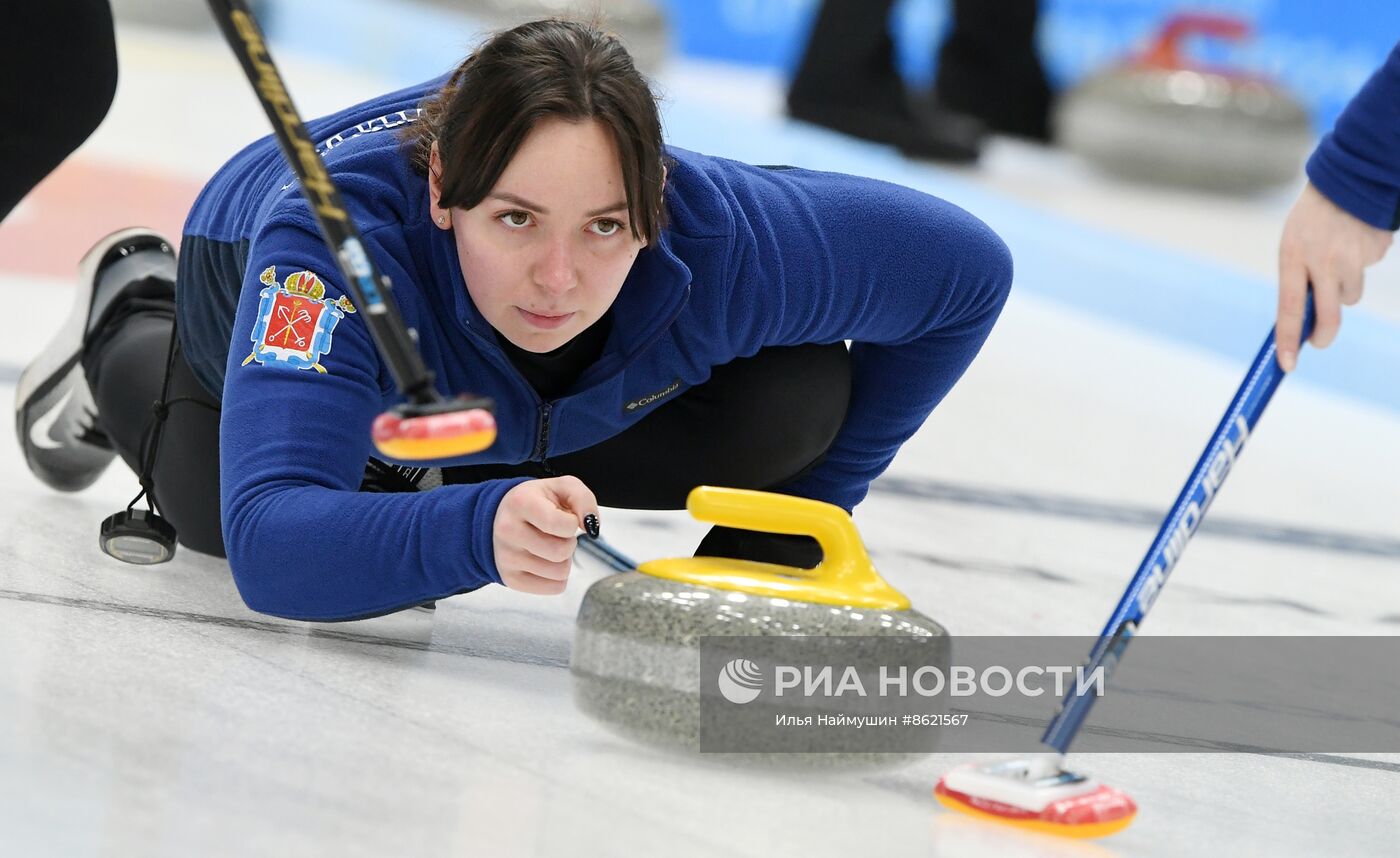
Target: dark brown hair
{"x": 550, "y": 68}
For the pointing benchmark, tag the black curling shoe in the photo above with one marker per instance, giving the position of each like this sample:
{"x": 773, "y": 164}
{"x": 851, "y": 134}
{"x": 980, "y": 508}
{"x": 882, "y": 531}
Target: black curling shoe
{"x": 55, "y": 417}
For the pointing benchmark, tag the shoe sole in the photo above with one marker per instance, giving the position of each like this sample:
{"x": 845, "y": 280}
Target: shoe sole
{"x": 71, "y": 480}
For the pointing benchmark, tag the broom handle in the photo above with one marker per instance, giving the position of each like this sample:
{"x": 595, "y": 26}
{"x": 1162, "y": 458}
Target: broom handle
{"x": 600, "y": 550}
{"x": 367, "y": 286}
{"x": 1181, "y": 522}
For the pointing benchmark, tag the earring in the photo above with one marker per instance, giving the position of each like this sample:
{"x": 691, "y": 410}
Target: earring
{"x": 442, "y": 220}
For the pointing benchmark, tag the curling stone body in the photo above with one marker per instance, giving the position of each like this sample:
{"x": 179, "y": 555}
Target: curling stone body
{"x": 636, "y": 662}
{"x": 1159, "y": 119}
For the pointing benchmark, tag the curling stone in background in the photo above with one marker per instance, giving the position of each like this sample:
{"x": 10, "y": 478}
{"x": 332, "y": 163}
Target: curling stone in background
{"x": 1161, "y": 118}
{"x": 636, "y": 664}
{"x": 640, "y": 24}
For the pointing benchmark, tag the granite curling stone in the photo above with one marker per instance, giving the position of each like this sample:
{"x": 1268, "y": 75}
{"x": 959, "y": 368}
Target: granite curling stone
{"x": 636, "y": 661}
{"x": 1160, "y": 118}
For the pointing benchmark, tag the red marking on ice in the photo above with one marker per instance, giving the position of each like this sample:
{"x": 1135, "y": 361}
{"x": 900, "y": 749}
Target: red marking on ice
{"x": 81, "y": 202}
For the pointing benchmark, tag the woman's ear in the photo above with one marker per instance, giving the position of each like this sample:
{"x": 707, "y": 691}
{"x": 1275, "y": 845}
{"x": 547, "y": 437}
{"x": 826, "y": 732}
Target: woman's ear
{"x": 435, "y": 173}
{"x": 441, "y": 216}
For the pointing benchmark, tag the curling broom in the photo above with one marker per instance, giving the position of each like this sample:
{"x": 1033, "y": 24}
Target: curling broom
{"x": 1037, "y": 792}
{"x": 426, "y": 426}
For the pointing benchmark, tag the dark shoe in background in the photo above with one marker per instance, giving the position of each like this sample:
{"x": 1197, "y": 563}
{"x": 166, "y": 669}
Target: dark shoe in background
{"x": 880, "y": 112}
{"x": 847, "y": 81}
{"x": 1009, "y": 101}
{"x": 950, "y": 137}
{"x": 989, "y": 68}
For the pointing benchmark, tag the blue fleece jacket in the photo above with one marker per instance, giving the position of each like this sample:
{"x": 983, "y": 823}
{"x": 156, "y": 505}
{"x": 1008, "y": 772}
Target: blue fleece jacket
{"x": 753, "y": 257}
{"x": 1357, "y": 164}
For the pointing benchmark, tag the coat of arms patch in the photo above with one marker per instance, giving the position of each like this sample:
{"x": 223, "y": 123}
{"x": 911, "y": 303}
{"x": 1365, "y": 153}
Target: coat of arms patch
{"x": 295, "y": 321}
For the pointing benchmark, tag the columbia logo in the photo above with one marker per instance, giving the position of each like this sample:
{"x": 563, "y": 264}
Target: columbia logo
{"x": 647, "y": 400}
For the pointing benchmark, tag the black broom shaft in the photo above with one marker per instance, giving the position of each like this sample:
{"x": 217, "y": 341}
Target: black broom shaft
{"x": 369, "y": 289}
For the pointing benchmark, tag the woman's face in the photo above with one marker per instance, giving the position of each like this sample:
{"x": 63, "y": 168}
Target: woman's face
{"x": 545, "y": 254}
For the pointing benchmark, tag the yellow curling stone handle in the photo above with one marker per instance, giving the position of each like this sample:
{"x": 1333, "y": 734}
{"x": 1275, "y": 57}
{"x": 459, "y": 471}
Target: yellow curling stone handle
{"x": 845, "y": 576}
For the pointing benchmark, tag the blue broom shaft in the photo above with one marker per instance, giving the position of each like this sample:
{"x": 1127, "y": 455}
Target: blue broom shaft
{"x": 599, "y": 549}
{"x": 1181, "y": 522}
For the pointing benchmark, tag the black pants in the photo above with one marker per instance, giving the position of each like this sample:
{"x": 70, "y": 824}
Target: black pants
{"x": 758, "y": 423}
{"x": 987, "y": 66}
{"x": 58, "y": 73}
{"x": 125, "y": 366}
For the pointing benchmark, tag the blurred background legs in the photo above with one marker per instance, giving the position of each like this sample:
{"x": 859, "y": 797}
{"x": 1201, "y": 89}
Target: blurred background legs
{"x": 989, "y": 67}
{"x": 989, "y": 78}
{"x": 848, "y": 82}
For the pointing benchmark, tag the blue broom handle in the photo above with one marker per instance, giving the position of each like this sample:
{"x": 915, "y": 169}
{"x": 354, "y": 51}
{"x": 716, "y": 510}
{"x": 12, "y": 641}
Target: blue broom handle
{"x": 602, "y": 551}
{"x": 1185, "y": 516}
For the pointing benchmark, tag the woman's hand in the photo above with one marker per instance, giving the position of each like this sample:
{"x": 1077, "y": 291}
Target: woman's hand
{"x": 534, "y": 533}
{"x": 1329, "y": 248}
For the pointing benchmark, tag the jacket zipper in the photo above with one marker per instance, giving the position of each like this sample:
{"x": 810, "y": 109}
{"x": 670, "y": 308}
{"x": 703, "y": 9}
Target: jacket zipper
{"x": 503, "y": 362}
{"x": 542, "y": 444}
{"x": 546, "y": 408}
